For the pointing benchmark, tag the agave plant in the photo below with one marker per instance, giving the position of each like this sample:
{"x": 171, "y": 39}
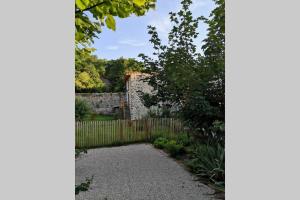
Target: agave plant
{"x": 208, "y": 162}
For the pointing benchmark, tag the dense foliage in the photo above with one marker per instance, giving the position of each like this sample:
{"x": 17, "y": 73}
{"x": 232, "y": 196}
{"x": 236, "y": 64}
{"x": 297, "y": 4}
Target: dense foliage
{"x": 88, "y": 70}
{"x": 205, "y": 160}
{"x": 185, "y": 78}
{"x": 173, "y": 147}
{"x": 82, "y": 109}
{"x": 115, "y": 71}
{"x": 208, "y": 161}
{"x": 195, "y": 83}
{"x": 208, "y": 102}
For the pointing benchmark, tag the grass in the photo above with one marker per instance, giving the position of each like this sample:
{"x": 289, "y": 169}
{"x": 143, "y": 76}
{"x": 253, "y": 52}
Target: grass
{"x": 99, "y": 117}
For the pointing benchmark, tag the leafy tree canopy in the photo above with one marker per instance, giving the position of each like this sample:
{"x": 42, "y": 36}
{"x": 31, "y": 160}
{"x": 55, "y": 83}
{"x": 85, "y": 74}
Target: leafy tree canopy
{"x": 88, "y": 69}
{"x": 90, "y": 15}
{"x": 116, "y": 70}
{"x": 184, "y": 77}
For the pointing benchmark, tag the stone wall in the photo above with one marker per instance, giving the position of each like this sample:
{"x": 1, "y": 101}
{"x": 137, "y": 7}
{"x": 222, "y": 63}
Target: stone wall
{"x": 103, "y": 103}
{"x": 134, "y": 84}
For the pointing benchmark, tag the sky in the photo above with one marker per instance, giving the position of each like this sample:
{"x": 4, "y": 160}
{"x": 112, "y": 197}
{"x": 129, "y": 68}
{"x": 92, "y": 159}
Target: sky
{"x": 131, "y": 36}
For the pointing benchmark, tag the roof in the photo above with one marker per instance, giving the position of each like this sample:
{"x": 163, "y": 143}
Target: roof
{"x": 132, "y": 74}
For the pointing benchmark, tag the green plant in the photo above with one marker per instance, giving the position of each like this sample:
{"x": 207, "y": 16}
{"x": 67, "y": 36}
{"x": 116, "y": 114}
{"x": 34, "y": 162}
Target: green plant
{"x": 88, "y": 70}
{"x": 80, "y": 151}
{"x": 83, "y": 186}
{"x": 193, "y": 81}
{"x": 160, "y": 142}
{"x": 208, "y": 162}
{"x": 92, "y": 15}
{"x": 183, "y": 139}
{"x": 116, "y": 70}
{"x": 82, "y": 109}
{"x": 174, "y": 148}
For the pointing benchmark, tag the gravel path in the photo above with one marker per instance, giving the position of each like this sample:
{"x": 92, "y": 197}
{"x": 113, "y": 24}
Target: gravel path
{"x": 136, "y": 172}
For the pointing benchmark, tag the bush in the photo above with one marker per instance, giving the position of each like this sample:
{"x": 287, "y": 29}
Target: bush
{"x": 160, "y": 142}
{"x": 174, "y": 148}
{"x": 208, "y": 161}
{"x": 183, "y": 139}
{"x": 82, "y": 109}
{"x": 205, "y": 119}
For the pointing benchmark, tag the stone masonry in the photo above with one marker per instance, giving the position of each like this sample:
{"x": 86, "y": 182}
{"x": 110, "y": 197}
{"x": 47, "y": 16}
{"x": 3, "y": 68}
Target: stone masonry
{"x": 134, "y": 84}
{"x": 115, "y": 103}
{"x": 103, "y": 103}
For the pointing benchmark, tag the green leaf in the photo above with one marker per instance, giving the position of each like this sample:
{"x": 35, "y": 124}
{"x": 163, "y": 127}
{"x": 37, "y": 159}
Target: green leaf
{"x": 80, "y": 4}
{"x": 139, "y": 2}
{"x": 110, "y": 22}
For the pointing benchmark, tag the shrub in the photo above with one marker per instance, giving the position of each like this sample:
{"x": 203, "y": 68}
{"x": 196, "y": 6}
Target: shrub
{"x": 183, "y": 139}
{"x": 82, "y": 109}
{"x": 208, "y": 161}
{"x": 174, "y": 148}
{"x": 160, "y": 142}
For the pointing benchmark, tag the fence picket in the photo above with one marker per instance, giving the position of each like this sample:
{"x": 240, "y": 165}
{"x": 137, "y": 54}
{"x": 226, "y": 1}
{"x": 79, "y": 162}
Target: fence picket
{"x": 102, "y": 133}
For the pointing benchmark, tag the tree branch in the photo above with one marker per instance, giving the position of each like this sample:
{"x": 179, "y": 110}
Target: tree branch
{"x": 88, "y": 8}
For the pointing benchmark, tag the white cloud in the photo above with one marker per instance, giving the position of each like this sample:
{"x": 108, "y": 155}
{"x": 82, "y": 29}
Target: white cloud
{"x": 162, "y": 24}
{"x": 112, "y": 47}
{"x": 198, "y": 4}
{"x": 133, "y": 43}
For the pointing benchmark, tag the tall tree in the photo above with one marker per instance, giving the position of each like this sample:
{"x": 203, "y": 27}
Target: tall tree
{"x": 115, "y": 71}
{"x": 174, "y": 71}
{"x": 184, "y": 77}
{"x": 88, "y": 70}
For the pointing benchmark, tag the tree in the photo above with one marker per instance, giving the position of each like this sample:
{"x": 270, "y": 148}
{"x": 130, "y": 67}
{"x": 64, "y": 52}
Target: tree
{"x": 90, "y": 15}
{"x": 213, "y": 94}
{"x": 176, "y": 68}
{"x": 116, "y": 70}
{"x": 88, "y": 69}
{"x": 214, "y": 51}
{"x": 185, "y": 78}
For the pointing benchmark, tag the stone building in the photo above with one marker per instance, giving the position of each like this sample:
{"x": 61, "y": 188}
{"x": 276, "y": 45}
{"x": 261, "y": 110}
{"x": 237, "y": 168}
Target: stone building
{"x": 126, "y": 104}
{"x": 134, "y": 85}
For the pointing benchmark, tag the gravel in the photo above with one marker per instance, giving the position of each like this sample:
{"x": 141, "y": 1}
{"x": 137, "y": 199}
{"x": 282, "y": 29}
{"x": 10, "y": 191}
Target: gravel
{"x": 137, "y": 172}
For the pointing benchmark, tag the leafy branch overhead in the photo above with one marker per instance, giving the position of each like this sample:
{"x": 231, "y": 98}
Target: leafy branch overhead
{"x": 91, "y": 15}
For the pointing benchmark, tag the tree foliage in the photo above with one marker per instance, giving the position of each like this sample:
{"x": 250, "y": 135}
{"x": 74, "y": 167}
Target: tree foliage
{"x": 184, "y": 77}
{"x": 82, "y": 109}
{"x": 88, "y": 69}
{"x": 91, "y": 15}
{"x": 117, "y": 69}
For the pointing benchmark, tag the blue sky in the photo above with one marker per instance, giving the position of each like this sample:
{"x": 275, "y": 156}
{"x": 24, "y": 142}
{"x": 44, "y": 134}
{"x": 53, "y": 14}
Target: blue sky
{"x": 131, "y": 37}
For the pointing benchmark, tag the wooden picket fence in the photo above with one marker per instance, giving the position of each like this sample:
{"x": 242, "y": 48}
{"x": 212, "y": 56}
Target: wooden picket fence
{"x": 106, "y": 133}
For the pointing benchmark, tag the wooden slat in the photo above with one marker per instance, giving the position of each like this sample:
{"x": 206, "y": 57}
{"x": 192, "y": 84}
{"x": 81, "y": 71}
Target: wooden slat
{"x": 101, "y": 133}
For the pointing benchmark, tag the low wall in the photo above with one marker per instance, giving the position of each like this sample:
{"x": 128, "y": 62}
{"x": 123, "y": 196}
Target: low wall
{"x": 103, "y": 103}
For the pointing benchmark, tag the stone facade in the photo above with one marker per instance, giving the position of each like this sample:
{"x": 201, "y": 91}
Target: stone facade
{"x": 128, "y": 104}
{"x": 134, "y": 84}
{"x": 104, "y": 103}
